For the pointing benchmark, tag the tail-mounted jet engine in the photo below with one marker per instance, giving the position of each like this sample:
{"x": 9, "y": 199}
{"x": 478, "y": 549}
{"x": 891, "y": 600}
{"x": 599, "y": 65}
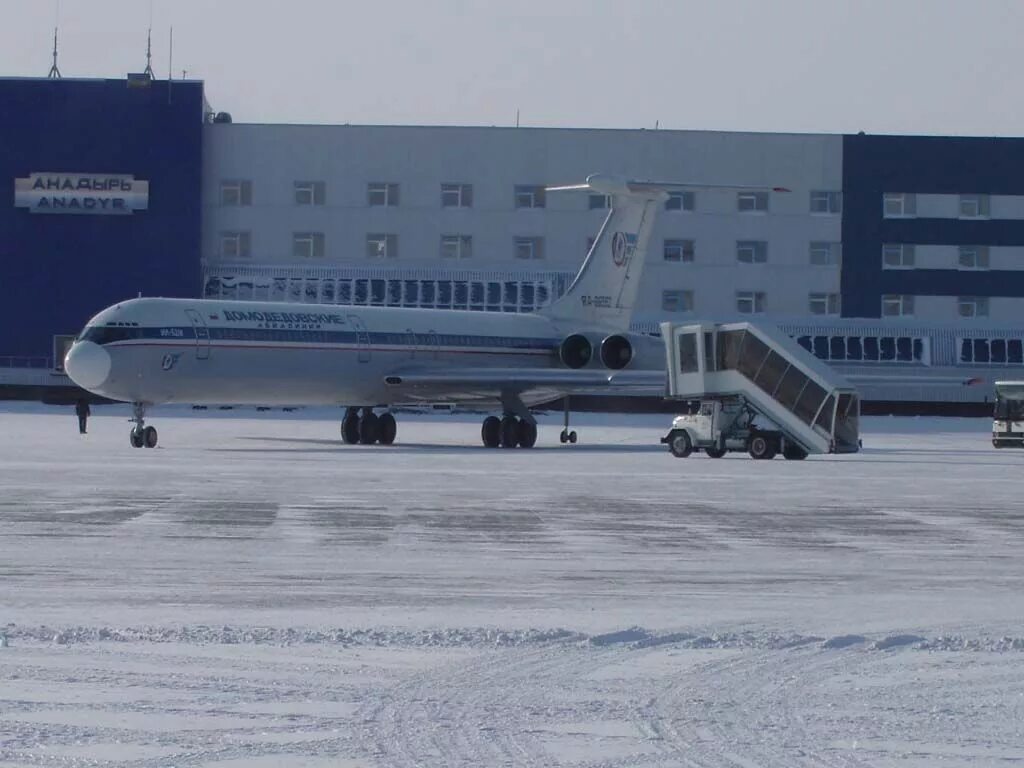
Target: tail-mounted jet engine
{"x": 616, "y": 352}
{"x": 576, "y": 350}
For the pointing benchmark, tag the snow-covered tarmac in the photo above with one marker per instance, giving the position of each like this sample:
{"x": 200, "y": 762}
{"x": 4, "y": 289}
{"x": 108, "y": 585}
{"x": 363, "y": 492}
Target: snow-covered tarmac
{"x": 254, "y": 593}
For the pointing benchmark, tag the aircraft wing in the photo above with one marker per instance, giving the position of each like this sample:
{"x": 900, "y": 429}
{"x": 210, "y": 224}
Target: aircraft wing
{"x": 560, "y": 380}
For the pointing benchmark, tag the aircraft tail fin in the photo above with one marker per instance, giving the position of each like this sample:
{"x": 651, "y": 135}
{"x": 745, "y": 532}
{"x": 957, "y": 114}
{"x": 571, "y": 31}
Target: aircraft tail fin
{"x": 604, "y": 292}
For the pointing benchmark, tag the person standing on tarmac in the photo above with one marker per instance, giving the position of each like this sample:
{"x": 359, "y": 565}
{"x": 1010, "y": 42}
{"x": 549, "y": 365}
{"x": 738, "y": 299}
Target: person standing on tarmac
{"x": 82, "y": 411}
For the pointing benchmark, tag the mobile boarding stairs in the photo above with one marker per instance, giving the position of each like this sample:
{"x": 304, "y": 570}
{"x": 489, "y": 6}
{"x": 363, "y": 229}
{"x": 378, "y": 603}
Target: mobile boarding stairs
{"x": 759, "y": 392}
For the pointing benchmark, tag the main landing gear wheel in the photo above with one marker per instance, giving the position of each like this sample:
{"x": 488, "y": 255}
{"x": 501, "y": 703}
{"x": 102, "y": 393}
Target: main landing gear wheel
{"x": 680, "y": 445}
{"x": 567, "y": 437}
{"x": 149, "y": 437}
{"x": 509, "y": 432}
{"x": 490, "y": 432}
{"x": 136, "y": 438}
{"x": 350, "y": 427}
{"x": 388, "y": 429}
{"x": 527, "y": 434}
{"x": 369, "y": 428}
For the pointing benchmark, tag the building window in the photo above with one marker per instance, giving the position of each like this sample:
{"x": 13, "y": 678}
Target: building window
{"x": 897, "y": 204}
{"x": 310, "y": 192}
{"x": 897, "y": 305}
{"x": 681, "y": 201}
{"x": 529, "y": 247}
{"x": 870, "y": 349}
{"x": 897, "y": 256}
{"x": 308, "y": 245}
{"x": 752, "y": 202}
{"x": 679, "y": 250}
{"x": 598, "y": 201}
{"x": 456, "y": 195}
{"x": 456, "y": 246}
{"x": 826, "y": 201}
{"x": 381, "y": 194}
{"x": 824, "y": 303}
{"x": 825, "y": 254}
{"x": 1004, "y": 351}
{"x": 236, "y": 192}
{"x": 750, "y": 302}
{"x": 235, "y": 245}
{"x": 529, "y": 196}
{"x": 677, "y": 301}
{"x": 972, "y": 306}
{"x": 973, "y": 206}
{"x": 751, "y": 251}
{"x": 381, "y": 246}
{"x": 973, "y": 257}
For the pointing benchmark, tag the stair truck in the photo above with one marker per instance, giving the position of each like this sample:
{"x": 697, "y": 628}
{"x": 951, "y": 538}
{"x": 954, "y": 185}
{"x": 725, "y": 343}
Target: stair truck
{"x": 751, "y": 388}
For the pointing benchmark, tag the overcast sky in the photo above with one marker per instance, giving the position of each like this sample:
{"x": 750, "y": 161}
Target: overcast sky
{"x": 882, "y": 66}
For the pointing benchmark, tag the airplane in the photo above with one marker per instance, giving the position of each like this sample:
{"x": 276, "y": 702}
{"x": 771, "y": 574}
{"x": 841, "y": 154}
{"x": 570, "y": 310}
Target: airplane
{"x": 150, "y": 351}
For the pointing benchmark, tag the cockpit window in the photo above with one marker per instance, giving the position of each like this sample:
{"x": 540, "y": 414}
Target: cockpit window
{"x": 106, "y": 334}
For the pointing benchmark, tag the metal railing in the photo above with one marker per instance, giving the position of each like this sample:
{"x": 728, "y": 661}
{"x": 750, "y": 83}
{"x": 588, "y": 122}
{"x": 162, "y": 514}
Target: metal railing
{"x": 21, "y": 361}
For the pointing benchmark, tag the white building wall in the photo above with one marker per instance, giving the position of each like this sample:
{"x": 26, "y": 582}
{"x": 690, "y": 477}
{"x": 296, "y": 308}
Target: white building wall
{"x": 494, "y": 161}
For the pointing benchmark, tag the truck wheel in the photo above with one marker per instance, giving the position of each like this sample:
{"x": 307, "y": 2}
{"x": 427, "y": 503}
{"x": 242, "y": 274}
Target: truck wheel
{"x": 794, "y": 453}
{"x": 761, "y": 447}
{"x": 715, "y": 453}
{"x": 680, "y": 445}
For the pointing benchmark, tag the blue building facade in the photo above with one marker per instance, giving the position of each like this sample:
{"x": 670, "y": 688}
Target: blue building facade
{"x": 925, "y": 165}
{"x": 104, "y": 204}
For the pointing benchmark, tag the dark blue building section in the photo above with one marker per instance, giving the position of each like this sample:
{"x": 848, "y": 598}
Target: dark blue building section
{"x": 58, "y": 269}
{"x": 873, "y": 165}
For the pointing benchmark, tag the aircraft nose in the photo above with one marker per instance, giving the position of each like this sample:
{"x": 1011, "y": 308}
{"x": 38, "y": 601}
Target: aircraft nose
{"x": 88, "y": 364}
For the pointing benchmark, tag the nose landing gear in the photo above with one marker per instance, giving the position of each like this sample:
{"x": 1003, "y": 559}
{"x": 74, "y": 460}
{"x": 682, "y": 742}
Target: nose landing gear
{"x": 141, "y": 436}
{"x": 567, "y": 435}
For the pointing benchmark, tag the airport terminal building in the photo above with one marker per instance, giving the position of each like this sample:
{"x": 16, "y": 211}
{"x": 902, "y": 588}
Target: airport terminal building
{"x": 889, "y": 253}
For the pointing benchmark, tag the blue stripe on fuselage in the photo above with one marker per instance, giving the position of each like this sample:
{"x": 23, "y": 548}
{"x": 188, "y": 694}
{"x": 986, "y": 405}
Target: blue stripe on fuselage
{"x": 320, "y": 336}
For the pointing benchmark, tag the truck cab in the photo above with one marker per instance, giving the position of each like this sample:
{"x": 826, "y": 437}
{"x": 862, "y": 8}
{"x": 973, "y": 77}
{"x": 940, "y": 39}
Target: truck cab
{"x": 719, "y": 426}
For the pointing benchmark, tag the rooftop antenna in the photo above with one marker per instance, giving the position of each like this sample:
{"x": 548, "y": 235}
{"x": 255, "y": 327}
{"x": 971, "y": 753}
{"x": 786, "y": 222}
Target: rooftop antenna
{"x": 148, "y": 71}
{"x": 54, "y": 71}
{"x": 170, "y": 65}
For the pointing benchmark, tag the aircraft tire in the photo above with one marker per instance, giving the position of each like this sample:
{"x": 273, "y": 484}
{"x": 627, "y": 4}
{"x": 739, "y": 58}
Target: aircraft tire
{"x": 350, "y": 428}
{"x": 136, "y": 438}
{"x": 509, "y": 432}
{"x": 369, "y": 429}
{"x": 527, "y": 434}
{"x": 490, "y": 432}
{"x": 149, "y": 437}
{"x": 572, "y": 437}
{"x": 388, "y": 429}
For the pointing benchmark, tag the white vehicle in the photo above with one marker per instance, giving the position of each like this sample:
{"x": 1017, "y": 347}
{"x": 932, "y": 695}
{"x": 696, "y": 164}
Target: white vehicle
{"x": 206, "y": 352}
{"x": 722, "y": 426}
{"x": 1008, "y": 418}
{"x": 759, "y": 392}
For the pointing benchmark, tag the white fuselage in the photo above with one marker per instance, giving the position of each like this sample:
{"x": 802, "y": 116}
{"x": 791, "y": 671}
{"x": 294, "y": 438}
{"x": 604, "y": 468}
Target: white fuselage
{"x": 222, "y": 352}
